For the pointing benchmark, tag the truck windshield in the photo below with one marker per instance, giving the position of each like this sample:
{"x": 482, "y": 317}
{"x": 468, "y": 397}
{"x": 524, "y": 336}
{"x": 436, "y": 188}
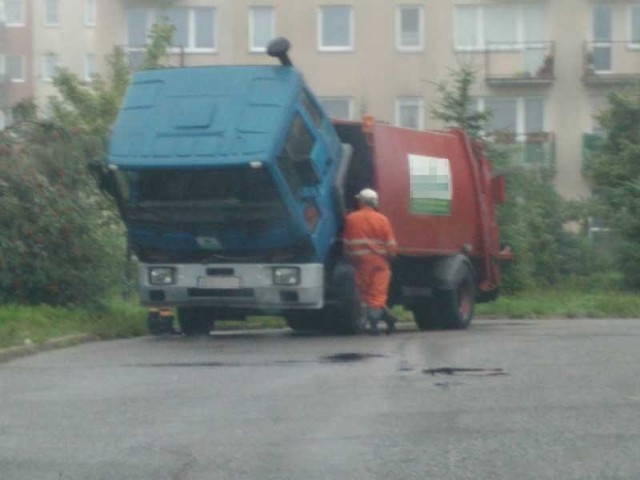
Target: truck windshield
{"x": 214, "y": 196}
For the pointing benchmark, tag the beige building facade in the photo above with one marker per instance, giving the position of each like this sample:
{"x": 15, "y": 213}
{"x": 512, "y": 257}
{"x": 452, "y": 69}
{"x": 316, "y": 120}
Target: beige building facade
{"x": 543, "y": 67}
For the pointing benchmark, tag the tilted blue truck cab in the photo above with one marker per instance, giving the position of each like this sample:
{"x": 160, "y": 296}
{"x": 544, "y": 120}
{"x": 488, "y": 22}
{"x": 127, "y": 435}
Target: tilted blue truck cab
{"x": 227, "y": 169}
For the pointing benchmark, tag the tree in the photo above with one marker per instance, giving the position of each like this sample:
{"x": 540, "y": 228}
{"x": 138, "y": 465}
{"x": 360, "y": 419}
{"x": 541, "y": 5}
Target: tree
{"x": 455, "y": 104}
{"x": 615, "y": 174}
{"x": 61, "y": 241}
{"x": 532, "y": 218}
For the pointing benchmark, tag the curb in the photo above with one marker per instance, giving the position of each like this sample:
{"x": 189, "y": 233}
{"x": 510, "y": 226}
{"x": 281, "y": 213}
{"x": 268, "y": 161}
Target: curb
{"x": 12, "y": 353}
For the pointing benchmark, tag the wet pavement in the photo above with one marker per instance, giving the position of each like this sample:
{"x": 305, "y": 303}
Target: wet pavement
{"x": 510, "y": 399}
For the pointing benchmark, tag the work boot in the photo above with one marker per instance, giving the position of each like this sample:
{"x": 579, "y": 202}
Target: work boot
{"x": 390, "y": 320}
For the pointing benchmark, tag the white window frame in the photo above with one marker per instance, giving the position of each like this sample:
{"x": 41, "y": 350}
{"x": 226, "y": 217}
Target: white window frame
{"x": 5, "y": 68}
{"x": 320, "y": 36}
{"x": 90, "y": 13}
{"x": 50, "y": 65}
{"x": 606, "y": 43}
{"x": 154, "y": 15}
{"x": 409, "y": 48}
{"x": 90, "y": 68}
{"x": 18, "y": 22}
{"x": 520, "y": 132}
{"x": 481, "y": 44}
{"x": 252, "y": 41}
{"x": 631, "y": 44}
{"x": 51, "y": 17}
{"x": 348, "y": 100}
{"x": 403, "y": 101}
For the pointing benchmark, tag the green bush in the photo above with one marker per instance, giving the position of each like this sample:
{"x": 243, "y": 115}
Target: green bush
{"x": 615, "y": 173}
{"x": 60, "y": 242}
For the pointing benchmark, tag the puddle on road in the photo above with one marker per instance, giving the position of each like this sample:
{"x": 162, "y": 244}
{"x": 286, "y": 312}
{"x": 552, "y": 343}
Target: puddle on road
{"x": 350, "y": 357}
{"x": 475, "y": 372}
{"x": 337, "y": 358}
{"x": 184, "y": 364}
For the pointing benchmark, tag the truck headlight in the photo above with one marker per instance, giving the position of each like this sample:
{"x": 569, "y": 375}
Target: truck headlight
{"x": 162, "y": 275}
{"x": 286, "y": 276}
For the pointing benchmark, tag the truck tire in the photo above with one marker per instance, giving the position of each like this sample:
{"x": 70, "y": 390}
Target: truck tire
{"x": 424, "y": 315}
{"x": 449, "y": 308}
{"x": 454, "y": 306}
{"x": 159, "y": 324}
{"x": 344, "y": 313}
{"x": 195, "y": 320}
{"x": 306, "y": 321}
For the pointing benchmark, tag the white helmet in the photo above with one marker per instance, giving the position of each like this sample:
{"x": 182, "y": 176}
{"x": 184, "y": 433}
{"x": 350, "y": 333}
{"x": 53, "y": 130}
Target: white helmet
{"x": 368, "y": 197}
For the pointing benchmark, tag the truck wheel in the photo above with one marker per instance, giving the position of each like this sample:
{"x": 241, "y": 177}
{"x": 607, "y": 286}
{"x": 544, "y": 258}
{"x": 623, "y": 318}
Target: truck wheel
{"x": 450, "y": 308}
{"x": 454, "y": 307}
{"x": 195, "y": 320}
{"x": 423, "y": 314}
{"x": 305, "y": 321}
{"x": 345, "y": 313}
{"x": 158, "y": 324}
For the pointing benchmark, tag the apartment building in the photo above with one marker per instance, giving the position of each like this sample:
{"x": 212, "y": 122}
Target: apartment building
{"x": 16, "y": 45}
{"x": 544, "y": 67}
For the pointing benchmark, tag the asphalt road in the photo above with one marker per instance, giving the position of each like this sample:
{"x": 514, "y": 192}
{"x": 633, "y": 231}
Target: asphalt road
{"x": 547, "y": 399}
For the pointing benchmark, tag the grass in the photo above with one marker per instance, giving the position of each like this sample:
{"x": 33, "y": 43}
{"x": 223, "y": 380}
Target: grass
{"x": 120, "y": 319}
{"x": 564, "y": 303}
{"x": 36, "y": 324}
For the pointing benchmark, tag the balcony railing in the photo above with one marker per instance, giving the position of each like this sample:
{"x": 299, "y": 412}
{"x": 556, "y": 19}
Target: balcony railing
{"x": 521, "y": 63}
{"x": 611, "y": 62}
{"x": 535, "y": 149}
{"x": 135, "y": 55}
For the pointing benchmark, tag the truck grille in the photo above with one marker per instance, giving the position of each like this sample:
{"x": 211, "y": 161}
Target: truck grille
{"x": 221, "y": 292}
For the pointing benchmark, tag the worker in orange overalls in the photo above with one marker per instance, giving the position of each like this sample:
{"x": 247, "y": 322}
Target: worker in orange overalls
{"x": 370, "y": 245}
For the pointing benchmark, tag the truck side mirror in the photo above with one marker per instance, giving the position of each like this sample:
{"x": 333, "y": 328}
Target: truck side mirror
{"x": 306, "y": 172}
{"x": 104, "y": 178}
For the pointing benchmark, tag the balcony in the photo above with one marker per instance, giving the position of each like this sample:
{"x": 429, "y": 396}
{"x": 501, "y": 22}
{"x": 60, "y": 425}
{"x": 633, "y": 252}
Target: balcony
{"x": 135, "y": 56}
{"x": 535, "y": 149}
{"x": 611, "y": 63}
{"x": 520, "y": 64}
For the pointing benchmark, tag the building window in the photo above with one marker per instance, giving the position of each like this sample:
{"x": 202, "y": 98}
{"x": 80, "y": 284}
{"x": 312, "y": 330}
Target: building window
{"x": 137, "y": 27}
{"x": 90, "y": 13}
{"x": 479, "y": 27}
{"x": 14, "y": 13}
{"x": 90, "y": 70}
{"x": 337, "y": 107}
{"x": 410, "y": 112}
{"x": 409, "y": 28}
{"x": 14, "y": 68}
{"x": 261, "y": 28}
{"x": 634, "y": 17}
{"x": 179, "y": 18}
{"x": 194, "y": 27}
{"x": 335, "y": 28}
{"x": 51, "y": 15}
{"x": 49, "y": 66}
{"x": 516, "y": 115}
{"x": 602, "y": 33}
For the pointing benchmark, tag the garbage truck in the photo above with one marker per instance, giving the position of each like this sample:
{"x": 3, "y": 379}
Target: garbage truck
{"x": 233, "y": 184}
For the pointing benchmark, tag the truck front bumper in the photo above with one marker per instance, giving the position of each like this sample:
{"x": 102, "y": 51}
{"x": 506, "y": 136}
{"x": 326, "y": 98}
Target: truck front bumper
{"x": 260, "y": 287}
